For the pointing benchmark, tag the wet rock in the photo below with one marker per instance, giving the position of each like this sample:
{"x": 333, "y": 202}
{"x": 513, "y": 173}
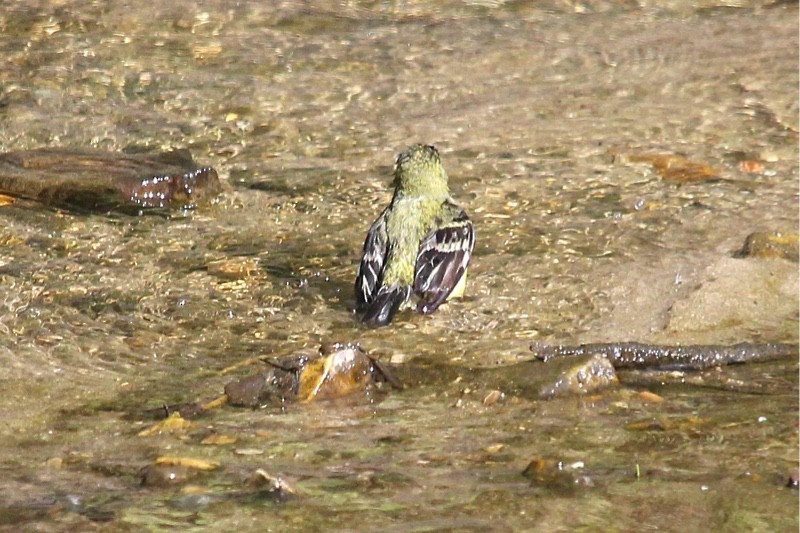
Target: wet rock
{"x": 739, "y": 295}
{"x": 591, "y": 375}
{"x": 89, "y": 180}
{"x": 338, "y": 370}
{"x": 772, "y": 244}
{"x": 341, "y": 370}
{"x": 271, "y": 387}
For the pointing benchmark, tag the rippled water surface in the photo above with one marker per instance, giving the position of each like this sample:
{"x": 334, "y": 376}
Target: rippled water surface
{"x": 550, "y": 117}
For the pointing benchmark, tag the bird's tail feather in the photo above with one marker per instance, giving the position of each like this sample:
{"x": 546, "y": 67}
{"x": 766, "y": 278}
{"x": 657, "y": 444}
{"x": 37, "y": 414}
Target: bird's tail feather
{"x": 385, "y": 304}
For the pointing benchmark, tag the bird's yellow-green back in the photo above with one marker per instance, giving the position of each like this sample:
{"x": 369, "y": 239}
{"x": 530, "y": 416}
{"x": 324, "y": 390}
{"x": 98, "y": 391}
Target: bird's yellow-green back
{"x": 420, "y": 244}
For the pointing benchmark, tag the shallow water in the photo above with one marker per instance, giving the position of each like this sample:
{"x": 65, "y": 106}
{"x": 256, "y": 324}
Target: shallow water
{"x": 536, "y": 109}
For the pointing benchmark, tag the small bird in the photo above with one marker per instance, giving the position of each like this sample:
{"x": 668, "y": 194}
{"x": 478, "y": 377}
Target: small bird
{"x": 420, "y": 244}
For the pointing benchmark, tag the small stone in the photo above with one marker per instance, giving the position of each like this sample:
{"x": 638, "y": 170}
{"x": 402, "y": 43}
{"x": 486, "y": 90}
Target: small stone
{"x": 794, "y": 479}
{"x": 55, "y": 462}
{"x": 751, "y": 166}
{"x": 165, "y": 475}
{"x": 593, "y": 374}
{"x": 785, "y": 245}
{"x": 650, "y": 397}
{"x": 555, "y": 475}
{"x": 249, "y": 451}
{"x": 274, "y": 488}
{"x": 493, "y": 397}
{"x": 494, "y": 448}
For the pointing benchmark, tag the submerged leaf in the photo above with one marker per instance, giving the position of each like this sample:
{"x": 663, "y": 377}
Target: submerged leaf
{"x": 673, "y": 167}
{"x": 188, "y": 462}
{"x": 175, "y": 423}
{"x": 218, "y": 440}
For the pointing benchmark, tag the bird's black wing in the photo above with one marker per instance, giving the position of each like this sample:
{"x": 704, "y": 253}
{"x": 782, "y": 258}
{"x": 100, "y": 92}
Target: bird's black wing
{"x": 370, "y": 272}
{"x": 386, "y": 303}
{"x": 443, "y": 258}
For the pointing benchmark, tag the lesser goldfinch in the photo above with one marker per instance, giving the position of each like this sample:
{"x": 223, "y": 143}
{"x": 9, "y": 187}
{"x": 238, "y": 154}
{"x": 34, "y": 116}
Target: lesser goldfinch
{"x": 420, "y": 245}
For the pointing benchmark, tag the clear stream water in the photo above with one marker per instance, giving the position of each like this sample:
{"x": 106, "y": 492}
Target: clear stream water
{"x": 540, "y": 110}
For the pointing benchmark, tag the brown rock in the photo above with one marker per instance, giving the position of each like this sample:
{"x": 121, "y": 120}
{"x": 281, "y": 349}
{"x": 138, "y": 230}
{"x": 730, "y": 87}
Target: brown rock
{"x": 90, "y": 180}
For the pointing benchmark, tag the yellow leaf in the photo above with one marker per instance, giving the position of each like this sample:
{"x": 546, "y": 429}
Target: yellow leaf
{"x": 172, "y": 424}
{"x": 218, "y": 440}
{"x": 188, "y": 462}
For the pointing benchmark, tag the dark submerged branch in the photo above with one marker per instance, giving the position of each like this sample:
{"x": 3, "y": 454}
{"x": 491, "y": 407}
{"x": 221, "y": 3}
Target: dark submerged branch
{"x": 708, "y": 379}
{"x": 693, "y": 357}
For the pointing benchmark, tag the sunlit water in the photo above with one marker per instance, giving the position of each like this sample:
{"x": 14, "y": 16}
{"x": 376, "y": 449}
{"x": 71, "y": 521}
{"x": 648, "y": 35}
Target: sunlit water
{"x": 302, "y": 110}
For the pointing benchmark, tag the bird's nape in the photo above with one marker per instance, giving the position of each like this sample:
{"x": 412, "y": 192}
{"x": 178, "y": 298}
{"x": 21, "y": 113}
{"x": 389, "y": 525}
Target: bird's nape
{"x": 417, "y": 153}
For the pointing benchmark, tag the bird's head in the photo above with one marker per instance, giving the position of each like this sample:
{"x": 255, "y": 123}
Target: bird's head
{"x": 418, "y": 171}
